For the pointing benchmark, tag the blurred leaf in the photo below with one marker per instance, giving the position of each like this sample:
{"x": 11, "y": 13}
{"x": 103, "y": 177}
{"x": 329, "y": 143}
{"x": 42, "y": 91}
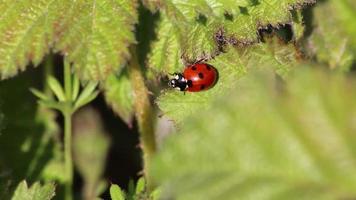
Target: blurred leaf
{"x": 54, "y": 170}
{"x": 190, "y": 28}
{"x": 155, "y": 195}
{"x": 76, "y": 87}
{"x": 35, "y": 192}
{"x": 94, "y": 34}
{"x": 141, "y": 185}
{"x": 39, "y": 94}
{"x": 24, "y": 122}
{"x": 267, "y": 141}
{"x": 90, "y": 146}
{"x": 116, "y": 193}
{"x": 86, "y": 100}
{"x": 101, "y": 187}
{"x": 86, "y": 95}
{"x": 56, "y": 88}
{"x": 231, "y": 66}
{"x": 118, "y": 94}
{"x": 298, "y": 25}
{"x": 333, "y": 38}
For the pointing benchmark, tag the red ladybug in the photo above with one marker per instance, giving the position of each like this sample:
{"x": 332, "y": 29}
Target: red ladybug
{"x": 195, "y": 78}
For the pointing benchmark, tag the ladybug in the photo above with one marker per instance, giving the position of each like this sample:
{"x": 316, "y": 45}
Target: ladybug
{"x": 195, "y": 78}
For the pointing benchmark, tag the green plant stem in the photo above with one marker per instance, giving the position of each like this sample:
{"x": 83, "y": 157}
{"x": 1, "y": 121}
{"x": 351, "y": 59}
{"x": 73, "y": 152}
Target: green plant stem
{"x": 67, "y": 113}
{"x": 143, "y": 111}
{"x": 67, "y": 80}
{"x": 68, "y": 155}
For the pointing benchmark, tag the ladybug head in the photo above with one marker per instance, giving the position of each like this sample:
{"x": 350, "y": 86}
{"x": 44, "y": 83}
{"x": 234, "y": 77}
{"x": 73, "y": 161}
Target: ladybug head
{"x": 178, "y": 82}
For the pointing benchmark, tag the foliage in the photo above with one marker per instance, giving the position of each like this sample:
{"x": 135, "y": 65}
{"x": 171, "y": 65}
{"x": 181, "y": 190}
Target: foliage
{"x": 194, "y": 29}
{"x": 334, "y": 46}
{"x": 118, "y": 94}
{"x": 90, "y": 147}
{"x": 35, "y": 192}
{"x": 267, "y": 142}
{"x": 86, "y": 31}
{"x": 134, "y": 193}
{"x": 231, "y": 66}
{"x": 271, "y": 128}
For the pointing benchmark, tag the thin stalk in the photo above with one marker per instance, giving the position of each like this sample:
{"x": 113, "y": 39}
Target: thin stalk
{"x": 67, "y": 80}
{"x": 68, "y": 155}
{"x": 143, "y": 111}
{"x": 67, "y": 113}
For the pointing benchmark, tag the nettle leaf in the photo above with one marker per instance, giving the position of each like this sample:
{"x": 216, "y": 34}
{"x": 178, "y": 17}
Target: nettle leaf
{"x": 231, "y": 66}
{"x": 96, "y": 35}
{"x": 118, "y": 94}
{"x": 334, "y": 46}
{"x": 190, "y": 28}
{"x": 93, "y": 34}
{"x": 35, "y": 192}
{"x": 261, "y": 142}
{"x": 26, "y": 33}
{"x": 116, "y": 193}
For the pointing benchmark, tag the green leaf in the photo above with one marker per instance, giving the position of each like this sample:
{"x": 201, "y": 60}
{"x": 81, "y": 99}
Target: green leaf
{"x": 39, "y": 94}
{"x": 231, "y": 66}
{"x": 96, "y": 35}
{"x": 35, "y": 192}
{"x": 93, "y": 34}
{"x": 190, "y": 28}
{"x": 155, "y": 195}
{"x": 52, "y": 104}
{"x": 116, "y": 193}
{"x": 26, "y": 33}
{"x": 90, "y": 148}
{"x": 140, "y": 185}
{"x": 56, "y": 88}
{"x": 118, "y": 94}
{"x": 333, "y": 39}
{"x": 266, "y": 140}
{"x": 87, "y": 95}
{"x": 76, "y": 87}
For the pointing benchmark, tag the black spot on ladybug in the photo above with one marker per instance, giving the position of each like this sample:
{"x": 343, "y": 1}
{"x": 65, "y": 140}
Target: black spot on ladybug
{"x": 202, "y": 87}
{"x": 194, "y": 67}
{"x": 201, "y": 75}
{"x": 190, "y": 83}
{"x": 208, "y": 67}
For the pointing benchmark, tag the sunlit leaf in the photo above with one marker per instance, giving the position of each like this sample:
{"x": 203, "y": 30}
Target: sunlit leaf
{"x": 35, "y": 192}
{"x": 87, "y": 95}
{"x": 56, "y": 88}
{"x": 231, "y": 67}
{"x": 118, "y": 94}
{"x": 116, "y": 193}
{"x": 194, "y": 28}
{"x": 93, "y": 34}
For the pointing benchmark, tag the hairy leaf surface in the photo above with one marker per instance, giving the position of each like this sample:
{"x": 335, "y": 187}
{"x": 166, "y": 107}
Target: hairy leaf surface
{"x": 193, "y": 28}
{"x": 231, "y": 67}
{"x": 94, "y": 34}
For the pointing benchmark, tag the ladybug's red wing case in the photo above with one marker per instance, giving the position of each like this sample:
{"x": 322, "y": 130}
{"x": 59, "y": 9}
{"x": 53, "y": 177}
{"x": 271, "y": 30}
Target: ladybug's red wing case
{"x": 200, "y": 76}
